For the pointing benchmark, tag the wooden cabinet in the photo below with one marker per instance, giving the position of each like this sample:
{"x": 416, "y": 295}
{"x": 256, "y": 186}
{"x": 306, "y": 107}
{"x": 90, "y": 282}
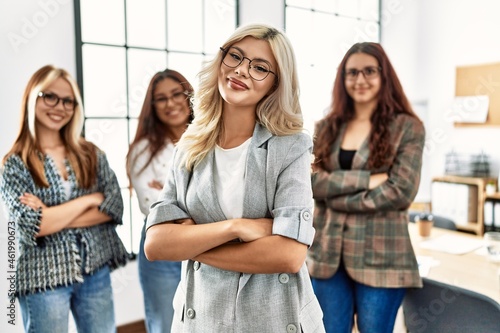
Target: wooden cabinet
{"x": 476, "y": 226}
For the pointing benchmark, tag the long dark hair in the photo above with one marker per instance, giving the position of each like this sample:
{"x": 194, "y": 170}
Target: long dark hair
{"x": 391, "y": 101}
{"x": 149, "y": 126}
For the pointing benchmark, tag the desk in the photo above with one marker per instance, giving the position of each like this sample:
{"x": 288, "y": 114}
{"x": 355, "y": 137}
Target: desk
{"x": 470, "y": 271}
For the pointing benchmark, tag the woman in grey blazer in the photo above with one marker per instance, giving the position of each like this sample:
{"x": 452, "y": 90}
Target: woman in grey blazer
{"x": 237, "y": 205}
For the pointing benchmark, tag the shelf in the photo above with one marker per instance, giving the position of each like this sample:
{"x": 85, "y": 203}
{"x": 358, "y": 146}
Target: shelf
{"x": 480, "y": 182}
{"x": 493, "y": 196}
{"x": 471, "y": 226}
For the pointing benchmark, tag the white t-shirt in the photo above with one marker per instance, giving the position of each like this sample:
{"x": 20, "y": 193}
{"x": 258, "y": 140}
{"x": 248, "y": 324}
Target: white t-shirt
{"x": 230, "y": 166}
{"x": 156, "y": 170}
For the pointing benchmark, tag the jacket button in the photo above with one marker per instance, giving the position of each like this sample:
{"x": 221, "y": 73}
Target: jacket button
{"x": 291, "y": 328}
{"x": 306, "y": 215}
{"x": 283, "y": 278}
{"x": 196, "y": 265}
{"x": 190, "y": 313}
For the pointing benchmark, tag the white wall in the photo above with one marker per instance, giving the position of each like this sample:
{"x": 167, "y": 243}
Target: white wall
{"x": 32, "y": 34}
{"x": 426, "y": 40}
{"x": 263, "y": 11}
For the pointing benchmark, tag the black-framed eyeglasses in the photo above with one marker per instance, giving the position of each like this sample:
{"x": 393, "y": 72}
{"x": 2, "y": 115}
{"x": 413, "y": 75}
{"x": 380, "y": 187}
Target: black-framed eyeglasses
{"x": 177, "y": 97}
{"x": 369, "y": 73}
{"x": 258, "y": 69}
{"x": 51, "y": 99}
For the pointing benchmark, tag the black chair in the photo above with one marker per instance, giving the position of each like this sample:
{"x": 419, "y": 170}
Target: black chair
{"x": 444, "y": 308}
{"x": 439, "y": 221}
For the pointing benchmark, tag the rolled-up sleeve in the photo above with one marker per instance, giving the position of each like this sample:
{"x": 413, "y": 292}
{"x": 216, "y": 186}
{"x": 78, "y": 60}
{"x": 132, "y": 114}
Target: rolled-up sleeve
{"x": 293, "y": 200}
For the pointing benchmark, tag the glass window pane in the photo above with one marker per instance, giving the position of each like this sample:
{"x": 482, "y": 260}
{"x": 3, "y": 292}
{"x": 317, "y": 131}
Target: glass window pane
{"x": 111, "y": 136}
{"x": 104, "y": 82}
{"x": 137, "y": 219}
{"x": 369, "y": 9}
{"x": 146, "y": 23}
{"x": 188, "y": 65}
{"x": 124, "y": 230}
{"x": 368, "y": 31}
{"x": 219, "y": 23}
{"x": 300, "y": 3}
{"x": 142, "y": 66}
{"x": 116, "y": 74}
{"x": 299, "y": 29}
{"x": 347, "y": 8}
{"x": 325, "y": 5}
{"x": 318, "y": 59}
{"x": 132, "y": 125}
{"x": 103, "y": 21}
{"x": 184, "y": 25}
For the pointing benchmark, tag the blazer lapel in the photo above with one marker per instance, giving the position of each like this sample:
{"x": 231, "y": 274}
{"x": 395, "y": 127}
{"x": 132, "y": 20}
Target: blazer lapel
{"x": 254, "y": 198}
{"x": 360, "y": 157}
{"x": 203, "y": 178}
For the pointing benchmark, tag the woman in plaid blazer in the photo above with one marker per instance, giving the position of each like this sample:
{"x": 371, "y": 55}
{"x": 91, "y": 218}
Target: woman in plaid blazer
{"x": 368, "y": 152}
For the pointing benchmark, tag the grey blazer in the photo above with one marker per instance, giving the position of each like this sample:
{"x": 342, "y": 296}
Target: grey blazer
{"x": 277, "y": 185}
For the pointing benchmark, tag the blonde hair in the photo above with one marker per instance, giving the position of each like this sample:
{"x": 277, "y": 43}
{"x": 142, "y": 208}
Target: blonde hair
{"x": 81, "y": 154}
{"x": 279, "y": 111}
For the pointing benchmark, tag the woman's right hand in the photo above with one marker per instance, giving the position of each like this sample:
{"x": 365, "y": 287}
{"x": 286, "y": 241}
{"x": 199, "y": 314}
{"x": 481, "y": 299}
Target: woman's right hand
{"x": 377, "y": 179}
{"x": 252, "y": 229}
{"x": 95, "y": 199}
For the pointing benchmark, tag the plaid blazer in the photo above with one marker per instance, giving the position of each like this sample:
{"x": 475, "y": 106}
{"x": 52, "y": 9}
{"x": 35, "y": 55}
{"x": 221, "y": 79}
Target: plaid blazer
{"x": 368, "y": 229}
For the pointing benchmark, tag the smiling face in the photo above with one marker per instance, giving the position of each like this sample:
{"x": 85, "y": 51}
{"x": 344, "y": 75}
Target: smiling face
{"x": 236, "y": 86}
{"x": 362, "y": 90}
{"x": 54, "y": 118}
{"x": 171, "y": 104}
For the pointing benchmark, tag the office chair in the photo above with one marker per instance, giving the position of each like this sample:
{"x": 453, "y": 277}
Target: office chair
{"x": 439, "y": 221}
{"x": 444, "y": 308}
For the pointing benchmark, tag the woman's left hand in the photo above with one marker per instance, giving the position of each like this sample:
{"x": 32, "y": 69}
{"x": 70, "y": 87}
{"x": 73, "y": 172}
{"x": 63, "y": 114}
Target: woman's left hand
{"x": 32, "y": 201}
{"x": 155, "y": 184}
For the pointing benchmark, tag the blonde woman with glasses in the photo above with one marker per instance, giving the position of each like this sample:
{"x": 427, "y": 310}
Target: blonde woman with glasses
{"x": 237, "y": 204}
{"x": 165, "y": 115}
{"x": 65, "y": 203}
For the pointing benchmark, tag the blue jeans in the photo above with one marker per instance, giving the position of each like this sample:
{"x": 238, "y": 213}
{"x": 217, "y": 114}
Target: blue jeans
{"x": 341, "y": 297}
{"x": 159, "y": 280}
{"x": 90, "y": 302}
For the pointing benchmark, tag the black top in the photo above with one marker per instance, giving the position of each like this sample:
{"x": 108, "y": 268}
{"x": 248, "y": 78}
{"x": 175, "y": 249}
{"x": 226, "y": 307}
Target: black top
{"x": 345, "y": 158}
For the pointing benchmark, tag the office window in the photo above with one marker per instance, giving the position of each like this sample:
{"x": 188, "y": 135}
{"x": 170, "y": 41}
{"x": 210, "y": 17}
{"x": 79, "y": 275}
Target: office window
{"x": 121, "y": 44}
{"x": 321, "y": 32}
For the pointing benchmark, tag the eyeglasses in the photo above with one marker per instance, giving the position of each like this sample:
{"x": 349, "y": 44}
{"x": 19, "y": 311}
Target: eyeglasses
{"x": 177, "y": 97}
{"x": 258, "y": 69}
{"x": 51, "y": 99}
{"x": 369, "y": 73}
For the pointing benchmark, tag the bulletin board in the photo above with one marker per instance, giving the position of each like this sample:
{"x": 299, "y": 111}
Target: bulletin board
{"x": 480, "y": 80}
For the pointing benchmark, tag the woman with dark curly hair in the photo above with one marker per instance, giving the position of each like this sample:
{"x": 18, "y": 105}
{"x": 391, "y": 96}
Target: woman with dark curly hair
{"x": 368, "y": 156}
